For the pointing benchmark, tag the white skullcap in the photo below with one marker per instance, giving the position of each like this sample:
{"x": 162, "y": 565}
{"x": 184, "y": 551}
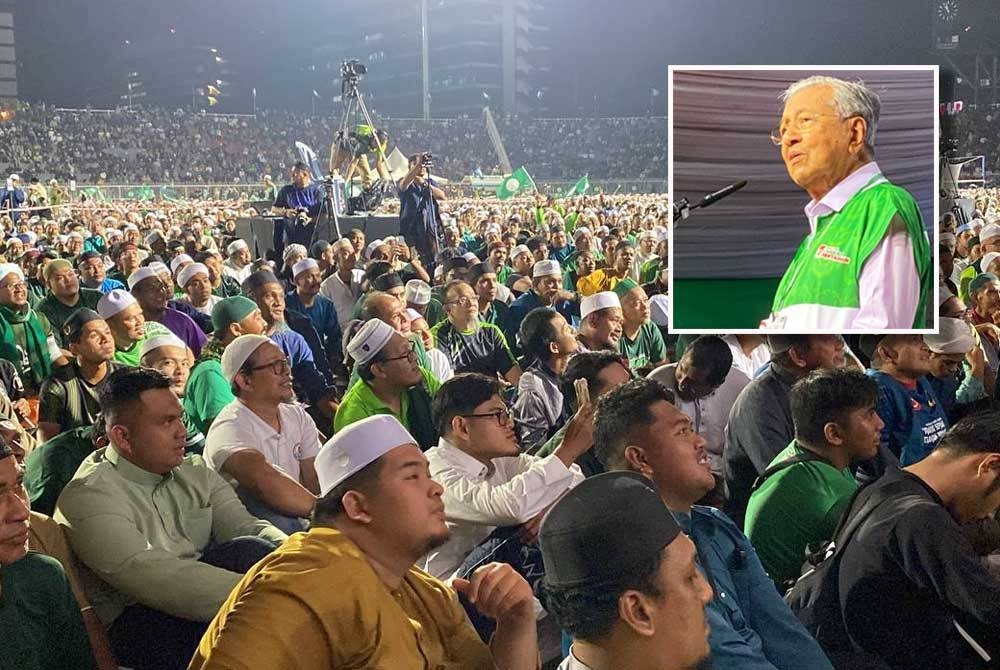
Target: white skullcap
{"x": 989, "y": 232}
{"x": 237, "y": 352}
{"x": 603, "y": 230}
{"x": 357, "y": 445}
{"x": 659, "y": 310}
{"x": 647, "y": 234}
{"x": 977, "y": 224}
{"x": 140, "y": 274}
{"x": 188, "y": 272}
{"x": 179, "y": 260}
{"x": 304, "y": 265}
{"x": 236, "y": 245}
{"x": 470, "y": 257}
{"x": 948, "y": 240}
{"x": 169, "y": 340}
{"x": 294, "y": 249}
{"x": 131, "y": 226}
{"x": 660, "y": 232}
{"x": 438, "y": 271}
{"x": 372, "y": 246}
{"x": 518, "y": 250}
{"x": 343, "y": 242}
{"x": 113, "y": 302}
{"x": 987, "y": 259}
{"x": 545, "y": 268}
{"x": 493, "y": 228}
{"x": 159, "y": 268}
{"x": 369, "y": 340}
{"x": 113, "y": 232}
{"x": 954, "y": 337}
{"x": 418, "y": 292}
{"x": 11, "y": 269}
{"x": 153, "y": 236}
{"x": 413, "y": 314}
{"x": 580, "y": 230}
{"x": 76, "y": 234}
{"x": 15, "y": 177}
{"x": 598, "y": 301}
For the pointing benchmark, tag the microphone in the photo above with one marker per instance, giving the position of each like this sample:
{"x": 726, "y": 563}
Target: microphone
{"x": 712, "y": 198}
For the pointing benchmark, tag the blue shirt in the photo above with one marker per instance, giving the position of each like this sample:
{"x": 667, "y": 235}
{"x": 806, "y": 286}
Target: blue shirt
{"x": 751, "y": 627}
{"x": 323, "y": 315}
{"x": 311, "y": 198}
{"x": 12, "y": 199}
{"x": 109, "y": 285}
{"x": 914, "y": 419}
{"x": 309, "y": 383}
{"x": 528, "y": 301}
{"x": 561, "y": 254}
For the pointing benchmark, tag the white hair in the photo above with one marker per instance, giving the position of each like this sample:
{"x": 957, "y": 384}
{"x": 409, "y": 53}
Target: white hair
{"x": 852, "y": 98}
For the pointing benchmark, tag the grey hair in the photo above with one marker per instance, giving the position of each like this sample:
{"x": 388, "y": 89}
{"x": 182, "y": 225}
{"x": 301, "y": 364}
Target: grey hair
{"x": 852, "y": 98}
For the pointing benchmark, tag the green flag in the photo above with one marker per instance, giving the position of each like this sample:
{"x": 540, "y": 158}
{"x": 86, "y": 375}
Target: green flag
{"x": 579, "y": 188}
{"x": 518, "y": 182}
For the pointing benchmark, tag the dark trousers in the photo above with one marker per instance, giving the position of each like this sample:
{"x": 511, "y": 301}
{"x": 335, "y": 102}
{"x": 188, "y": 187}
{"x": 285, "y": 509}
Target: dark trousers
{"x": 146, "y": 639}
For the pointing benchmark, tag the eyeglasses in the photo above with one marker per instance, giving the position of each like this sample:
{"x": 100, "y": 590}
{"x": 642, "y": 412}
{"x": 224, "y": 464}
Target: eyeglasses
{"x": 14, "y": 286}
{"x": 502, "y": 416}
{"x": 411, "y": 354}
{"x": 464, "y": 301}
{"x": 278, "y": 367}
{"x": 800, "y": 124}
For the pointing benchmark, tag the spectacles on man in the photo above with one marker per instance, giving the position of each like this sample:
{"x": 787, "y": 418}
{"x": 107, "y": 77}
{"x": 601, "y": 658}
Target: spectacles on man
{"x": 464, "y": 301}
{"x": 410, "y": 354}
{"x": 502, "y": 416}
{"x": 278, "y": 367}
{"x": 14, "y": 285}
{"x": 801, "y": 124}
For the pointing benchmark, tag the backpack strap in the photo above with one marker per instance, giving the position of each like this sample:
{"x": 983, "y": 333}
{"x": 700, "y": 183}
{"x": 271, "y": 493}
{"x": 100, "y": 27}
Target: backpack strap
{"x": 804, "y": 457}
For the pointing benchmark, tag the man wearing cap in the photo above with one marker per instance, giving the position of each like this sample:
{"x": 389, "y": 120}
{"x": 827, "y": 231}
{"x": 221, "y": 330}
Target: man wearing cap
{"x": 760, "y": 422}
{"x": 600, "y": 322}
{"x": 383, "y": 306}
{"x": 958, "y": 367}
{"x": 390, "y": 382}
{"x": 40, "y": 617}
{"x": 640, "y": 341}
{"x": 69, "y": 398}
{"x": 167, "y": 354}
{"x": 518, "y": 278}
{"x": 26, "y": 337}
{"x": 322, "y": 313}
{"x": 193, "y": 280}
{"x": 984, "y": 298}
{"x": 989, "y": 239}
{"x": 207, "y": 390}
{"x": 472, "y": 345}
{"x": 546, "y": 291}
{"x": 304, "y": 196}
{"x": 127, "y": 259}
{"x": 638, "y": 428}
{"x": 93, "y": 273}
{"x": 152, "y": 295}
{"x": 12, "y": 198}
{"x": 65, "y": 296}
{"x": 866, "y": 263}
{"x": 166, "y": 536}
{"x": 128, "y": 326}
{"x": 419, "y": 296}
{"x": 378, "y": 513}
{"x": 627, "y": 588}
{"x": 343, "y": 287}
{"x": 263, "y": 439}
{"x": 238, "y": 265}
{"x": 487, "y": 482}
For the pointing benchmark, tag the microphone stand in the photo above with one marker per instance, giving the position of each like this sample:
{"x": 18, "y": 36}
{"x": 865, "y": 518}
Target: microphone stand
{"x": 682, "y": 208}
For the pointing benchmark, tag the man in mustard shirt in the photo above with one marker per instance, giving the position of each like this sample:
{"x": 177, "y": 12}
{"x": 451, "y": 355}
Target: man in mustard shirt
{"x": 346, "y": 594}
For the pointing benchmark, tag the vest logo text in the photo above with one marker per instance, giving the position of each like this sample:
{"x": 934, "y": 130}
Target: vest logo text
{"x": 828, "y": 253}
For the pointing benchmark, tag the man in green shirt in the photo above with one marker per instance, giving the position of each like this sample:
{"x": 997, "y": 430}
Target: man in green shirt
{"x": 128, "y": 326}
{"x": 810, "y": 483}
{"x": 167, "y": 354}
{"x": 486, "y": 281}
{"x": 390, "y": 382}
{"x": 65, "y": 296}
{"x": 40, "y": 618}
{"x": 641, "y": 342}
{"x": 51, "y": 465}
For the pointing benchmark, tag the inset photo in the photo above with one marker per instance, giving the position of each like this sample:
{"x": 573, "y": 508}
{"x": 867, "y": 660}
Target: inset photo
{"x": 804, "y": 199}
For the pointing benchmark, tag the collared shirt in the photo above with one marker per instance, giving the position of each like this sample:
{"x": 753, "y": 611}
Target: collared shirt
{"x": 70, "y": 401}
{"x": 322, "y": 314}
{"x": 710, "y": 414}
{"x": 182, "y": 326}
{"x": 571, "y": 662}
{"x": 57, "y": 312}
{"x": 482, "y": 348}
{"x": 538, "y": 410}
{"x": 478, "y": 498}
{"x": 51, "y": 465}
{"x": 344, "y": 295}
{"x": 239, "y": 274}
{"x": 748, "y": 365}
{"x": 207, "y": 308}
{"x": 238, "y": 428}
{"x": 142, "y": 534}
{"x": 360, "y": 402}
{"x": 316, "y": 603}
{"x": 751, "y": 627}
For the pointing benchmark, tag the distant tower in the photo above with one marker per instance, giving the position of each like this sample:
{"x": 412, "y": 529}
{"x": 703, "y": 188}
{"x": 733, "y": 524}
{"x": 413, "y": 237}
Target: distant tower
{"x": 8, "y": 61}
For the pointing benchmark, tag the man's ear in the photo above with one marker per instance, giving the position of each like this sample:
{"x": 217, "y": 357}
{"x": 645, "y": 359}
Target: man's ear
{"x": 635, "y": 457}
{"x": 833, "y": 434}
{"x": 356, "y": 507}
{"x": 119, "y": 436}
{"x": 635, "y": 612}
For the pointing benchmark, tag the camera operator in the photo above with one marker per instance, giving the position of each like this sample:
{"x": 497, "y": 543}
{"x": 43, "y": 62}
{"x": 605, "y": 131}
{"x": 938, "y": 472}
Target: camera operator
{"x": 354, "y": 150}
{"x": 299, "y": 204}
{"x": 419, "y": 219}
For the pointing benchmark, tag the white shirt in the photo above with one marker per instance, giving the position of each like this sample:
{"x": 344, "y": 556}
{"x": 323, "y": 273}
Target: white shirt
{"x": 748, "y": 365}
{"x": 239, "y": 274}
{"x": 440, "y": 365}
{"x": 478, "y": 498}
{"x": 237, "y": 428}
{"x": 571, "y": 662}
{"x": 709, "y": 415}
{"x": 344, "y": 296}
{"x": 213, "y": 300}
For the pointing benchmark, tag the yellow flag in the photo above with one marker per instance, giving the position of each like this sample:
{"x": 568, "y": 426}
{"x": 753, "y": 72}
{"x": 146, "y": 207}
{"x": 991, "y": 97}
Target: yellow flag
{"x": 212, "y": 90}
{"x": 212, "y": 101}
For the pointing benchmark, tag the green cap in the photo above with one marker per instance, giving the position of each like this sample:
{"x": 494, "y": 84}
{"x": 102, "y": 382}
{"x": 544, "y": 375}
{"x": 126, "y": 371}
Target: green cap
{"x": 624, "y": 286}
{"x": 231, "y": 310}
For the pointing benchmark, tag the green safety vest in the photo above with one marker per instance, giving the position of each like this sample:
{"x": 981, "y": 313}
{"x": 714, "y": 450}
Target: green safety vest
{"x": 826, "y": 268}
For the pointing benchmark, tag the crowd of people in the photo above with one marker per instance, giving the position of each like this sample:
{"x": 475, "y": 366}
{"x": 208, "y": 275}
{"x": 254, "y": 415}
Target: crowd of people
{"x": 349, "y": 454}
{"x": 164, "y": 146}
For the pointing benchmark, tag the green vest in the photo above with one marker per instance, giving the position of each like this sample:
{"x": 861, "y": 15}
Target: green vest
{"x": 826, "y": 268}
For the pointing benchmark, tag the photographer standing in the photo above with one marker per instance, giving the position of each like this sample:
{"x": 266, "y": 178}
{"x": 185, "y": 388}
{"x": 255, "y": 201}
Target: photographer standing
{"x": 419, "y": 219}
{"x": 299, "y": 203}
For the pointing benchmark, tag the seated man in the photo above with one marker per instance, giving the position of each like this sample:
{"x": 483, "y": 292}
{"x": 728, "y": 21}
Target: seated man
{"x": 26, "y": 337}
{"x": 166, "y": 536}
{"x": 65, "y": 296}
{"x": 167, "y": 354}
{"x": 52, "y": 464}
{"x": 378, "y": 512}
{"x": 238, "y": 265}
{"x": 546, "y": 291}
{"x": 627, "y": 586}
{"x": 69, "y": 397}
{"x": 207, "y": 391}
{"x": 322, "y": 313}
{"x": 799, "y": 499}
{"x": 549, "y": 342}
{"x": 641, "y": 341}
{"x": 152, "y": 295}
{"x": 958, "y": 368}
{"x": 263, "y": 439}
{"x": 912, "y": 589}
{"x": 93, "y": 273}
{"x": 128, "y": 326}
{"x": 39, "y": 616}
{"x": 193, "y": 281}
{"x": 390, "y": 382}
{"x": 487, "y": 482}
{"x": 343, "y": 287}
{"x": 600, "y": 322}
{"x": 638, "y": 428}
{"x": 472, "y": 345}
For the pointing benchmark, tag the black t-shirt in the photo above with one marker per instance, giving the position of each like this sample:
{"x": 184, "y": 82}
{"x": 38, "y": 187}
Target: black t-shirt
{"x": 908, "y": 574}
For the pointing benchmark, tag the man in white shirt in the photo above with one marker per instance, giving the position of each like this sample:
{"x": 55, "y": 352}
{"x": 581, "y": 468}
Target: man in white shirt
{"x": 263, "y": 439}
{"x": 750, "y": 352}
{"x": 238, "y": 265}
{"x": 487, "y": 483}
{"x": 343, "y": 287}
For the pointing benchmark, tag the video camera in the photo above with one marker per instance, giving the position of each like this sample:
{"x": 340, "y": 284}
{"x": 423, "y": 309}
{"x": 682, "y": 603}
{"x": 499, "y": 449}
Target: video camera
{"x": 353, "y": 68}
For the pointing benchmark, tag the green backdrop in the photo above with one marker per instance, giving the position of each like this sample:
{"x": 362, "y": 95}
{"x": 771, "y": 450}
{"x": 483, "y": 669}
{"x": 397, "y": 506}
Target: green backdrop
{"x": 714, "y": 304}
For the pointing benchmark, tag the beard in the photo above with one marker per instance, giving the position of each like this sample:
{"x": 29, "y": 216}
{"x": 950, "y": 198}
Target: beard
{"x": 435, "y": 541}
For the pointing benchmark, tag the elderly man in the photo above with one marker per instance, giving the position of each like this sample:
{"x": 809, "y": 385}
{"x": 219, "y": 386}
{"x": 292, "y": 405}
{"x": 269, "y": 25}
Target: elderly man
{"x": 263, "y": 439}
{"x": 152, "y": 295}
{"x": 472, "y": 345}
{"x": 166, "y": 536}
{"x": 167, "y": 354}
{"x": 958, "y": 373}
{"x": 238, "y": 265}
{"x": 390, "y": 382}
{"x": 546, "y": 291}
{"x": 26, "y": 337}
{"x": 378, "y": 513}
{"x": 867, "y": 263}
{"x": 600, "y": 322}
{"x": 128, "y": 326}
{"x": 343, "y": 287}
{"x": 641, "y": 342}
{"x": 193, "y": 280}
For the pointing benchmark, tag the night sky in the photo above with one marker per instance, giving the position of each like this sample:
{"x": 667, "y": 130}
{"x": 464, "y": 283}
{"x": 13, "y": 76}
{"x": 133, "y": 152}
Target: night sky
{"x": 604, "y": 57}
